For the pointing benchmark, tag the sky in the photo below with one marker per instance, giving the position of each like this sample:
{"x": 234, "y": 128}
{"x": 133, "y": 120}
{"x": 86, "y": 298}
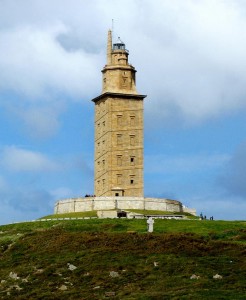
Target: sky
{"x": 191, "y": 62}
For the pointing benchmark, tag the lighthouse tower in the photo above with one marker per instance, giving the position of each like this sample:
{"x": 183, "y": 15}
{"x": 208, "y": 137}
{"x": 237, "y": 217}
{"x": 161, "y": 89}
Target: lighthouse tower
{"x": 118, "y": 181}
{"x": 118, "y": 128}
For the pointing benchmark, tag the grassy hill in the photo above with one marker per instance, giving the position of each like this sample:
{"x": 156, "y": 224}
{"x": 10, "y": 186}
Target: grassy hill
{"x": 118, "y": 259}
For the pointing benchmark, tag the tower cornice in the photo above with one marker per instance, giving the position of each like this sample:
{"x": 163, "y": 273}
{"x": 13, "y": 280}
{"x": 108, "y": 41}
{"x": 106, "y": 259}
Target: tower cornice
{"x": 118, "y": 67}
{"x": 118, "y": 95}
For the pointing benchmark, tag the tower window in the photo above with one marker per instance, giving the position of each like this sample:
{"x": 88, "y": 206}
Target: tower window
{"x": 132, "y": 160}
{"x": 119, "y": 160}
{"x": 98, "y": 186}
{"x": 132, "y": 179}
{"x": 119, "y": 179}
{"x": 132, "y": 140}
{"x": 132, "y": 120}
{"x": 103, "y": 163}
{"x": 119, "y": 139}
{"x": 119, "y": 120}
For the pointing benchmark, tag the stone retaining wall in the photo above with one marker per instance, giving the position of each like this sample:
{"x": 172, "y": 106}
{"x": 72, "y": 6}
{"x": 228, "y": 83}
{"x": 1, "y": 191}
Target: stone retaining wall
{"x": 121, "y": 203}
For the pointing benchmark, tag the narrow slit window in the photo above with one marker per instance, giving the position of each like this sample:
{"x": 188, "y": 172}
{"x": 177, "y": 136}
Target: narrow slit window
{"x": 132, "y": 179}
{"x": 119, "y": 160}
{"x": 132, "y": 160}
{"x": 98, "y": 166}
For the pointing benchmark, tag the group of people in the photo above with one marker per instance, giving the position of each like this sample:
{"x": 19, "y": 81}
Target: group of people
{"x": 202, "y": 217}
{"x": 87, "y": 195}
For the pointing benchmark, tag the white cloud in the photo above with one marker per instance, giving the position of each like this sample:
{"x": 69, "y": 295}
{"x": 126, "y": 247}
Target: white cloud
{"x": 199, "y": 58}
{"x": 191, "y": 55}
{"x": 33, "y": 63}
{"x": 21, "y": 160}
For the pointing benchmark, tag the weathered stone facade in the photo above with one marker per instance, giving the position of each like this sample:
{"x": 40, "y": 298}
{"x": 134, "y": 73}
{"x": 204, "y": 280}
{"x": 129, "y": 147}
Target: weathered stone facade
{"x": 118, "y": 128}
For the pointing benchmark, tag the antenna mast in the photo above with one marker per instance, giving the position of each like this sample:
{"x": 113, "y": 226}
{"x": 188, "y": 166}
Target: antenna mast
{"x": 113, "y": 29}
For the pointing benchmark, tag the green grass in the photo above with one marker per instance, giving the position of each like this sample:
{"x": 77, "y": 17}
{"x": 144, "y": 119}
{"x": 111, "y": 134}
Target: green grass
{"x": 72, "y": 215}
{"x": 158, "y": 212}
{"x": 137, "y": 211}
{"x": 39, "y": 252}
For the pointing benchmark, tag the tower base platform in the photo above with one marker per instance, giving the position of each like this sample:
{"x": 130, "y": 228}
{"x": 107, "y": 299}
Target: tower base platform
{"x": 119, "y": 203}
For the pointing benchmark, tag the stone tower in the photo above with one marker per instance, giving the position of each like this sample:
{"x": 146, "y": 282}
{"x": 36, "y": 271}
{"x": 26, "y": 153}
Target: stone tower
{"x": 118, "y": 128}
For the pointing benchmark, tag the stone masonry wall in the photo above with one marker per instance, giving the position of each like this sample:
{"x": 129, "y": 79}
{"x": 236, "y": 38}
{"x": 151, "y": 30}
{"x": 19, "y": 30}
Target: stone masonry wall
{"x": 119, "y": 147}
{"x": 121, "y": 203}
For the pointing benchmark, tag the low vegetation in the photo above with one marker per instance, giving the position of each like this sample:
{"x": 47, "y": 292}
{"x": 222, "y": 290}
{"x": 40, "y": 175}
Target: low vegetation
{"x": 87, "y": 214}
{"x": 118, "y": 259}
{"x": 158, "y": 212}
